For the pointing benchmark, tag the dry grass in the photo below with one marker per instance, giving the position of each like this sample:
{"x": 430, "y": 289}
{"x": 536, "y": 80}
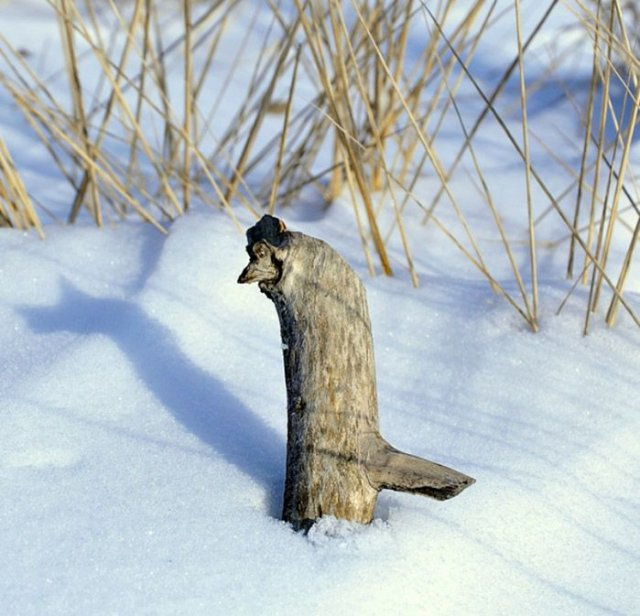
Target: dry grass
{"x": 16, "y": 209}
{"x": 341, "y": 99}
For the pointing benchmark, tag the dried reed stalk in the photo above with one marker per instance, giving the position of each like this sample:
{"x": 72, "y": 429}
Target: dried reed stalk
{"x": 16, "y": 209}
{"x": 527, "y": 174}
{"x": 189, "y": 102}
{"x": 79, "y": 124}
{"x": 283, "y": 138}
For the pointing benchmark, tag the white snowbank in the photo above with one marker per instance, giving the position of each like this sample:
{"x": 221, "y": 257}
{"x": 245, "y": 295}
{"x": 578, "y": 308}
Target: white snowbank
{"x": 143, "y": 435}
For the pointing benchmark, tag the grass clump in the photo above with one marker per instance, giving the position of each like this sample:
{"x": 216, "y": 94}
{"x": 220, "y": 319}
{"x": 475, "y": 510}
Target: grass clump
{"x": 361, "y": 99}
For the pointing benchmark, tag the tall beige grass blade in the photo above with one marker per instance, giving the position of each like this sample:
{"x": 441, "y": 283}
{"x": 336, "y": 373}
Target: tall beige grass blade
{"x": 140, "y": 88}
{"x": 16, "y": 207}
{"x": 87, "y": 181}
{"x": 336, "y": 178}
{"x": 614, "y": 306}
{"x": 262, "y": 111}
{"x": 118, "y": 95}
{"x": 585, "y": 149}
{"x": 80, "y": 126}
{"x": 159, "y": 58}
{"x": 172, "y": 128}
{"x": 188, "y": 103}
{"x": 530, "y": 317}
{"x": 283, "y": 137}
{"x": 622, "y": 171}
{"x": 606, "y": 82}
{"x": 356, "y": 211}
{"x": 527, "y": 164}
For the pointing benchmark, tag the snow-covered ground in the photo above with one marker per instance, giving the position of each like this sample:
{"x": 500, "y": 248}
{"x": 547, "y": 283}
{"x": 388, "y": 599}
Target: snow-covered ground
{"x": 143, "y": 428}
{"x": 143, "y": 435}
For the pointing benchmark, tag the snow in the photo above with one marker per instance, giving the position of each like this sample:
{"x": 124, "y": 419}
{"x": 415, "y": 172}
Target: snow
{"x": 143, "y": 432}
{"x": 143, "y": 438}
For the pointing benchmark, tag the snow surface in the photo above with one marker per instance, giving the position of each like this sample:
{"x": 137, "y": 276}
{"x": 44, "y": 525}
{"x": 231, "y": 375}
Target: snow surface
{"x": 143, "y": 429}
{"x": 143, "y": 440}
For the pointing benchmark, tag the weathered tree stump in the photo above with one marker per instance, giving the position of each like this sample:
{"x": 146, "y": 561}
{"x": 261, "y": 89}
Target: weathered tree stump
{"x": 337, "y": 462}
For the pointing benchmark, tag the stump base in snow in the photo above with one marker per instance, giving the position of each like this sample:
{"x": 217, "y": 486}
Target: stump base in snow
{"x": 337, "y": 462}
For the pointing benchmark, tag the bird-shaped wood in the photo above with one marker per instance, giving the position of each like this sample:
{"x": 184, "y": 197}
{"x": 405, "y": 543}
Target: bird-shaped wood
{"x": 337, "y": 461}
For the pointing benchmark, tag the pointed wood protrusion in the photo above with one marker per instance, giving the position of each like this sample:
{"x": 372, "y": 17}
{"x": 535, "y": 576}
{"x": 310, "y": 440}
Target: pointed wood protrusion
{"x": 390, "y": 469}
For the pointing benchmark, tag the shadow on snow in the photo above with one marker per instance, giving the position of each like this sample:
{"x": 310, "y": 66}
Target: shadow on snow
{"x": 196, "y": 398}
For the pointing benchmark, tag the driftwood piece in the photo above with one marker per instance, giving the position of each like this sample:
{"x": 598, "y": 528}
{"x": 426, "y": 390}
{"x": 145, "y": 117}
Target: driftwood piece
{"x": 337, "y": 462}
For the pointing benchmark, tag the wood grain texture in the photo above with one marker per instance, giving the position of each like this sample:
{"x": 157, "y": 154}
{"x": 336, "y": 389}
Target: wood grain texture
{"x": 337, "y": 462}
